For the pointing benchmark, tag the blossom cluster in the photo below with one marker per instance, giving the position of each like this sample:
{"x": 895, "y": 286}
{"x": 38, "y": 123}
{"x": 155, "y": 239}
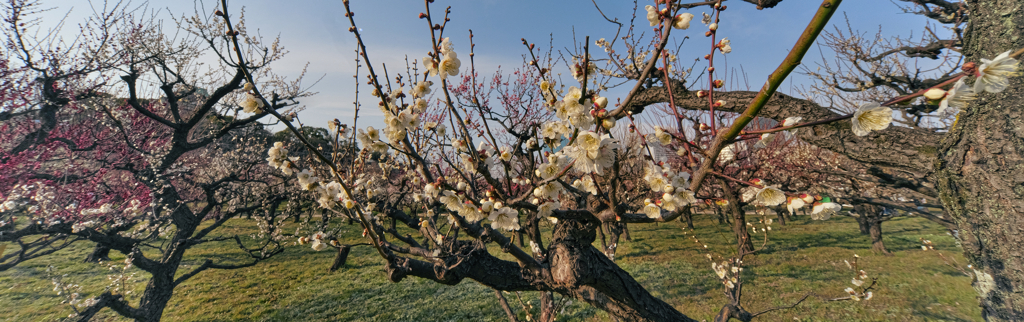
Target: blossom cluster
{"x": 501, "y": 216}
{"x": 673, "y": 186}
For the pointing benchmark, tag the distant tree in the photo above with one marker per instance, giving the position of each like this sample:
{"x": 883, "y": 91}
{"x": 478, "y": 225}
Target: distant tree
{"x": 121, "y": 139}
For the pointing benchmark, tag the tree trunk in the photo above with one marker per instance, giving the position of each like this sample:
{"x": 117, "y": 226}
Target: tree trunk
{"x": 581, "y": 271}
{"x": 504, "y": 306}
{"x": 739, "y": 219}
{"x": 980, "y": 178}
{"x": 99, "y": 253}
{"x": 862, "y": 223}
{"x": 872, "y": 218}
{"x": 782, "y": 215}
{"x": 688, "y": 216}
{"x": 158, "y": 292}
{"x": 718, "y": 213}
{"x": 876, "y": 237}
{"x": 339, "y": 260}
{"x": 614, "y": 231}
{"x": 547, "y": 307}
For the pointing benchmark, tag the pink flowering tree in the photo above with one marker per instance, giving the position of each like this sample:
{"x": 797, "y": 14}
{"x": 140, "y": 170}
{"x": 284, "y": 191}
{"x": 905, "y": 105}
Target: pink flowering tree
{"x": 118, "y": 140}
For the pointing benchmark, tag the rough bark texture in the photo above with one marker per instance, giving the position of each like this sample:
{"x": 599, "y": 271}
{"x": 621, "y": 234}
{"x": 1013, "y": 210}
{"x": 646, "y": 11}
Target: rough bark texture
{"x": 581, "y": 271}
{"x": 981, "y": 168}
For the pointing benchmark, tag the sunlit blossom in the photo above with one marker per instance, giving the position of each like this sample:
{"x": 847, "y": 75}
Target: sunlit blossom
{"x": 770, "y": 196}
{"x": 652, "y": 15}
{"x": 993, "y": 75}
{"x": 251, "y": 104}
{"x": 682, "y": 21}
{"x": 956, "y": 98}
{"x": 871, "y": 117}
{"x": 505, "y": 218}
{"x": 824, "y": 210}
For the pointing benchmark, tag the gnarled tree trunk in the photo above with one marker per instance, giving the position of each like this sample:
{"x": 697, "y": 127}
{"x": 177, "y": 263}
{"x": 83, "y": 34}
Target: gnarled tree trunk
{"x": 981, "y": 178}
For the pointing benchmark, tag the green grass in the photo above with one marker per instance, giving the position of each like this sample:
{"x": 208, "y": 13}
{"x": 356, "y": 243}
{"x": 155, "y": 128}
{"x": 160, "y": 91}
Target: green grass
{"x": 805, "y": 256}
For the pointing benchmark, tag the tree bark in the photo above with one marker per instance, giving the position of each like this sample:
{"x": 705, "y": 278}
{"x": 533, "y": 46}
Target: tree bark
{"x": 339, "y": 260}
{"x": 872, "y": 218}
{"x": 504, "y": 306}
{"x": 781, "y": 212}
{"x": 981, "y": 181}
{"x": 99, "y": 253}
{"x": 547, "y": 307}
{"x": 862, "y": 223}
{"x": 739, "y": 219}
{"x": 688, "y": 215}
{"x": 582, "y": 272}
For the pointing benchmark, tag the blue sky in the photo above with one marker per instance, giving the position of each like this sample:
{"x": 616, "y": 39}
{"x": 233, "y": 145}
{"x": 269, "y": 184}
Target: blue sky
{"x": 314, "y": 31}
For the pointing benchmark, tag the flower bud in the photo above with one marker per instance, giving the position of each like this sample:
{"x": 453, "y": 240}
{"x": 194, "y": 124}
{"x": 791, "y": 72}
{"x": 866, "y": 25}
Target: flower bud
{"x": 935, "y": 94}
{"x": 608, "y": 124}
{"x": 701, "y": 94}
{"x": 704, "y": 127}
{"x": 711, "y": 69}
{"x": 713, "y": 26}
{"x": 601, "y": 102}
{"x": 719, "y": 83}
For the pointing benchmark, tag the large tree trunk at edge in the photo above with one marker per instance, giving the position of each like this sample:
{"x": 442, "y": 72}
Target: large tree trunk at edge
{"x": 981, "y": 167}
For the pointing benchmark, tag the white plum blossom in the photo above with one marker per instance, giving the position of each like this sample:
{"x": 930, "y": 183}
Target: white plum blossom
{"x": 770, "y": 196}
{"x": 792, "y": 120}
{"x": 794, "y": 204}
{"x": 549, "y": 190}
{"x": 662, "y": 136}
{"x": 871, "y": 117}
{"x": 956, "y": 98}
{"x": 585, "y": 183}
{"x": 421, "y": 89}
{"x": 728, "y": 154}
{"x": 652, "y": 211}
{"x": 546, "y": 209}
{"x": 450, "y": 65}
{"x": 682, "y": 21}
{"x": 593, "y": 152}
{"x": 993, "y": 74}
{"x": 505, "y": 218}
{"x": 724, "y": 45}
{"x": 824, "y": 211}
{"x": 652, "y": 15}
{"x": 251, "y": 104}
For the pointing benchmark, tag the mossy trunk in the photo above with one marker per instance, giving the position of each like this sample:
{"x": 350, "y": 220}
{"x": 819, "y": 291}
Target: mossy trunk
{"x": 981, "y": 167}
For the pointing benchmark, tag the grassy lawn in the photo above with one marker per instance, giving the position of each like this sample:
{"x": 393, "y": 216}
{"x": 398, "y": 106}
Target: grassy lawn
{"x": 804, "y": 256}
